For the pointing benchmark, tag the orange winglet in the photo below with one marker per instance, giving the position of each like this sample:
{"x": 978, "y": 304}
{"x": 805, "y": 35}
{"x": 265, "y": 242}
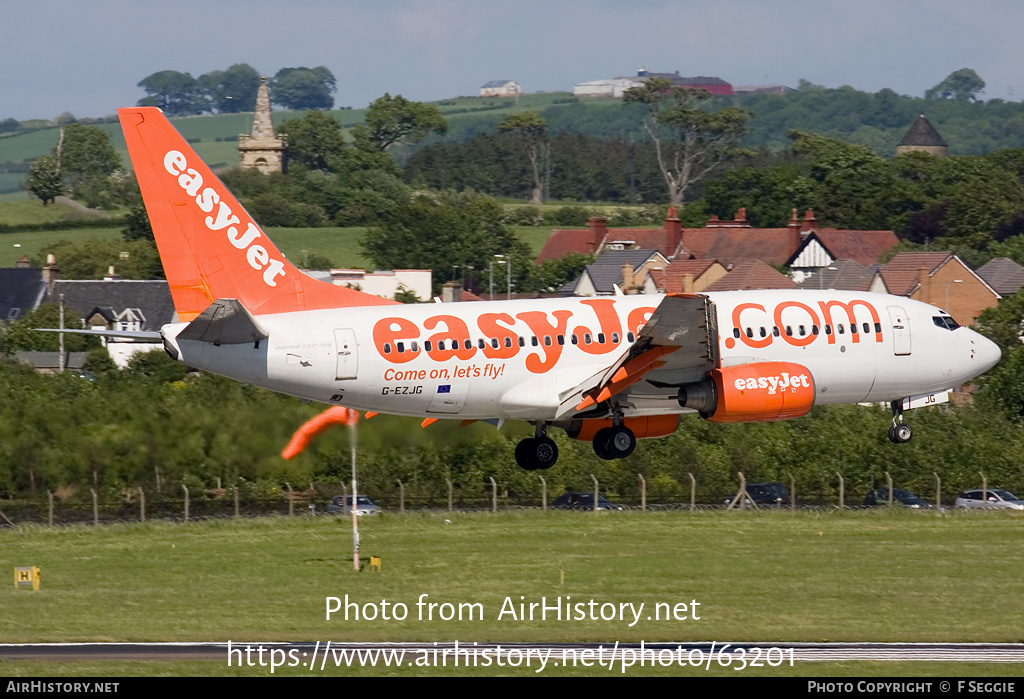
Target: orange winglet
{"x": 429, "y": 421}
{"x": 337, "y": 415}
{"x": 370, "y": 413}
{"x": 466, "y": 423}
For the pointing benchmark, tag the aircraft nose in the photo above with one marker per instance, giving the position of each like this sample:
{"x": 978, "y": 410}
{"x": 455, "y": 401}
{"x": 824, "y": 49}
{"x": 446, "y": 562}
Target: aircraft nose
{"x": 986, "y": 352}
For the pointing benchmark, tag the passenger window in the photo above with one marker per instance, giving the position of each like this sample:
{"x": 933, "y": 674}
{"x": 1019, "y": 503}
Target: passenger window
{"x": 600, "y": 338}
{"x": 878, "y": 328}
{"x": 736, "y": 333}
{"x": 867, "y": 328}
{"x": 427, "y": 345}
{"x": 561, "y": 339}
{"x": 814, "y": 329}
{"x": 615, "y": 338}
{"x": 547, "y": 340}
{"x": 414, "y": 346}
{"x": 387, "y": 348}
{"x": 853, "y": 328}
{"x": 522, "y": 342}
{"x": 803, "y": 331}
{"x": 828, "y": 329}
{"x": 575, "y": 340}
{"x": 508, "y": 341}
{"x": 631, "y": 337}
{"x": 775, "y": 331}
{"x": 764, "y": 333}
{"x": 401, "y": 347}
{"x": 468, "y": 344}
{"x": 842, "y": 329}
{"x": 750, "y": 332}
{"x": 587, "y": 339}
{"x": 789, "y": 331}
{"x": 494, "y": 342}
{"x": 481, "y": 344}
{"x": 533, "y": 341}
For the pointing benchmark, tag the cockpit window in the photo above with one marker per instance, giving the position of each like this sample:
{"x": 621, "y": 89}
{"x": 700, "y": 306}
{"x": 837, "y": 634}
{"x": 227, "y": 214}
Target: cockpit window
{"x": 946, "y": 322}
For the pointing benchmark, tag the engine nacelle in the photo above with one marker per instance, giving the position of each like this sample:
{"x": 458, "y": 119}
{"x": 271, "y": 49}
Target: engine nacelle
{"x": 759, "y": 392}
{"x": 643, "y": 427}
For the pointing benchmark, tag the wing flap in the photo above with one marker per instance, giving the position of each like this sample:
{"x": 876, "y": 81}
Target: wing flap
{"x": 224, "y": 322}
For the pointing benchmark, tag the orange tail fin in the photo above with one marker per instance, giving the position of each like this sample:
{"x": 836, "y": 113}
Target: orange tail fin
{"x": 209, "y": 245}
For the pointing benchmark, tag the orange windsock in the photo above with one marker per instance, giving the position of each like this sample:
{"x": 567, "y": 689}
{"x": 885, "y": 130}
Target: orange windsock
{"x": 337, "y": 415}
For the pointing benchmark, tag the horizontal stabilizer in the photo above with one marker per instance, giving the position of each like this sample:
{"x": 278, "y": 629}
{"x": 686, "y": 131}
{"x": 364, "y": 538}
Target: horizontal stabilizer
{"x": 224, "y": 322}
{"x": 139, "y": 335}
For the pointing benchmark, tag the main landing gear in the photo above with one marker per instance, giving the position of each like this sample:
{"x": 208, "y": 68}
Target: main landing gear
{"x": 615, "y": 442}
{"x": 900, "y": 432}
{"x": 537, "y": 452}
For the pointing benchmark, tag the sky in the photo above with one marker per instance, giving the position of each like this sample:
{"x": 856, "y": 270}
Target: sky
{"x": 88, "y": 57}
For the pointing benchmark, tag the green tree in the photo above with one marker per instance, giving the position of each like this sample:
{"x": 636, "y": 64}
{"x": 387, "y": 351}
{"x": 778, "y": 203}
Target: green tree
{"x": 22, "y": 336}
{"x": 314, "y": 140}
{"x": 176, "y": 93}
{"x": 443, "y": 232}
{"x": 391, "y": 120}
{"x": 235, "y": 89}
{"x": 529, "y": 128}
{"x": 90, "y": 259}
{"x": 689, "y": 141}
{"x": 44, "y": 181}
{"x": 960, "y": 86}
{"x": 303, "y": 88}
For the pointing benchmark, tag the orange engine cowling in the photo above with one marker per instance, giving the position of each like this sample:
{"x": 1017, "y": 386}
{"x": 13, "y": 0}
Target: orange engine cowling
{"x": 758, "y": 392}
{"x": 644, "y": 427}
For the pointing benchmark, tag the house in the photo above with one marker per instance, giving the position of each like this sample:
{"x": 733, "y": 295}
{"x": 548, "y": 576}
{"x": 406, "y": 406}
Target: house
{"x": 752, "y": 274}
{"x": 1002, "y": 274}
{"x": 629, "y": 270}
{"x": 118, "y": 304}
{"x": 939, "y": 278}
{"x": 22, "y": 288}
{"x": 500, "y": 88}
{"x": 846, "y": 275}
{"x": 688, "y": 276}
{"x": 616, "y": 87}
{"x": 387, "y": 283}
{"x": 803, "y": 244}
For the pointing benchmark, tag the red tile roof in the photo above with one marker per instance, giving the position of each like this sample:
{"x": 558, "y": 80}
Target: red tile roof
{"x": 863, "y": 247}
{"x": 900, "y": 275}
{"x": 731, "y": 246}
{"x": 670, "y": 279}
{"x": 752, "y": 274}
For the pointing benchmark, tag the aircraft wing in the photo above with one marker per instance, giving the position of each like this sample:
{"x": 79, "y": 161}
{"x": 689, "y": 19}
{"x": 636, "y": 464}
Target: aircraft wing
{"x": 138, "y": 335}
{"x": 677, "y": 346}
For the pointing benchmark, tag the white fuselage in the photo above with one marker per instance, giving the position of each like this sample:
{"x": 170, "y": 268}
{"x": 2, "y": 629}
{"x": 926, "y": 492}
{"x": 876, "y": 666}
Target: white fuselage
{"x": 520, "y": 359}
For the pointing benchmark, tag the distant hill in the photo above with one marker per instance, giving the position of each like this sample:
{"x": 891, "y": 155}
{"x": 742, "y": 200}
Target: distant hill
{"x": 877, "y": 120}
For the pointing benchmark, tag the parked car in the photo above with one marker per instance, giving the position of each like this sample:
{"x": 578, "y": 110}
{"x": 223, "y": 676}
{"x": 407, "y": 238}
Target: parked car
{"x": 765, "y": 494}
{"x": 583, "y": 501}
{"x": 341, "y": 504}
{"x": 997, "y": 499}
{"x": 880, "y": 496}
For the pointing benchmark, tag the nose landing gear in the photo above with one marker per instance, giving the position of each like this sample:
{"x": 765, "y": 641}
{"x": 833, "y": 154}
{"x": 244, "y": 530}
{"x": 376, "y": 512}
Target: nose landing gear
{"x": 900, "y": 432}
{"x": 537, "y": 452}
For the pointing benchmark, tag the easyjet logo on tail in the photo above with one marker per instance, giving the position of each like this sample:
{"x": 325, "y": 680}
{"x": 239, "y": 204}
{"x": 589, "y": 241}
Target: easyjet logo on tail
{"x": 223, "y": 219}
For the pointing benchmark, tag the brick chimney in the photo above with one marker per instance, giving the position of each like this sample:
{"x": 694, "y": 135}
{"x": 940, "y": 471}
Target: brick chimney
{"x": 808, "y": 224}
{"x": 50, "y": 272}
{"x": 23, "y": 262}
{"x": 687, "y": 283}
{"x": 451, "y": 292}
{"x": 598, "y": 226}
{"x": 673, "y": 232}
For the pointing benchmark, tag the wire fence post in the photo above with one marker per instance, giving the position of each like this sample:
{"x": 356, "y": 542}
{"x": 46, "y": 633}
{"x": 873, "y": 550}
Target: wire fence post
{"x": 401, "y": 496}
{"x": 888, "y": 484}
{"x": 494, "y": 495}
{"x": 185, "y": 488}
{"x": 49, "y": 495}
{"x": 792, "y": 493}
{"x": 643, "y": 492}
{"x": 596, "y": 491}
{"x": 142, "y": 505}
{"x": 543, "y": 493}
{"x": 984, "y": 491}
{"x": 938, "y": 490}
{"x": 842, "y": 492}
{"x": 236, "y": 502}
{"x": 449, "y": 482}
{"x": 693, "y": 491}
{"x": 95, "y": 507}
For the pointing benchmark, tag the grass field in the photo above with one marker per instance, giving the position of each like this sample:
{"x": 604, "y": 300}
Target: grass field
{"x": 770, "y": 576}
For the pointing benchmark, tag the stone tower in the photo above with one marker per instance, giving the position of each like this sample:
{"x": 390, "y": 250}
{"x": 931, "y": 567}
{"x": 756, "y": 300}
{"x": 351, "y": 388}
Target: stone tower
{"x": 262, "y": 149}
{"x": 922, "y": 136}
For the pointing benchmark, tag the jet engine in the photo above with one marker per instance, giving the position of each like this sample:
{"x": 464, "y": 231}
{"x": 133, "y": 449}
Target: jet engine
{"x": 758, "y": 392}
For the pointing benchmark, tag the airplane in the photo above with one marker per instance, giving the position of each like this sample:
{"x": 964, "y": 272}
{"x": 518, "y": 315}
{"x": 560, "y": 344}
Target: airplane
{"x": 607, "y": 370}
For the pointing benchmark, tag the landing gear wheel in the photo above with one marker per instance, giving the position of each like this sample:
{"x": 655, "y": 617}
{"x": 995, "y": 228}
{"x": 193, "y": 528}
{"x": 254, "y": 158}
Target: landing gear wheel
{"x": 614, "y": 442}
{"x": 901, "y": 433}
{"x": 600, "y": 439}
{"x": 535, "y": 453}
